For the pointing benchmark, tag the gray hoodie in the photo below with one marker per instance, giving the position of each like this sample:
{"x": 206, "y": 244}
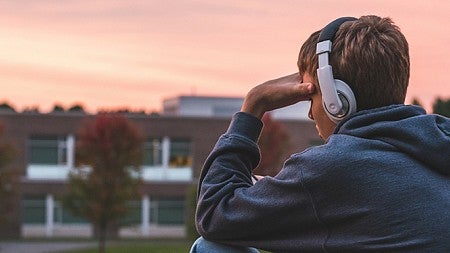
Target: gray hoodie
{"x": 379, "y": 184}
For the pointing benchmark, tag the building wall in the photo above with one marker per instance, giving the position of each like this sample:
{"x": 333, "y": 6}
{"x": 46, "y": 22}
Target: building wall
{"x": 201, "y": 131}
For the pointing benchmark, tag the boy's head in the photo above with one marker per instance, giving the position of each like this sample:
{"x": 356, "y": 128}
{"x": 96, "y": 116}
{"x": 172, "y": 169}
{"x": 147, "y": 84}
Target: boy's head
{"x": 371, "y": 55}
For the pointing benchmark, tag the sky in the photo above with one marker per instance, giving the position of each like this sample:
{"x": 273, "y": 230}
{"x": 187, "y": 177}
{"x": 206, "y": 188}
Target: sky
{"x": 114, "y": 54}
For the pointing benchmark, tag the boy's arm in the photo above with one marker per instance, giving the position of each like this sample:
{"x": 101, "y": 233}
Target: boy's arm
{"x": 230, "y": 208}
{"x": 276, "y": 94}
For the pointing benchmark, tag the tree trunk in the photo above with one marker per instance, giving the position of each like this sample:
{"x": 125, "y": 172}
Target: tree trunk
{"x": 101, "y": 239}
{"x": 111, "y": 230}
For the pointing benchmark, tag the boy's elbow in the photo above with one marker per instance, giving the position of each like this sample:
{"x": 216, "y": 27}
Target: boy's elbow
{"x": 206, "y": 227}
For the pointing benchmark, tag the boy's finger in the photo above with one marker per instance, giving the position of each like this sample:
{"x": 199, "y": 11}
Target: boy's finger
{"x": 307, "y": 88}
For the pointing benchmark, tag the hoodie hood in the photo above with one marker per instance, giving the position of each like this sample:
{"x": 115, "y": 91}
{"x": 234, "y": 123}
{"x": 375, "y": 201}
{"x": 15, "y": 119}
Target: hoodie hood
{"x": 424, "y": 137}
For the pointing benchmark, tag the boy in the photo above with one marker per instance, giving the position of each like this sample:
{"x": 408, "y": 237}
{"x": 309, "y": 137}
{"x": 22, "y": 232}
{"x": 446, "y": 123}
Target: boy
{"x": 380, "y": 183}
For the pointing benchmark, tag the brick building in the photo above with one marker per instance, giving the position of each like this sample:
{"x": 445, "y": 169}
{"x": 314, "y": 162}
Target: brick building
{"x": 175, "y": 148}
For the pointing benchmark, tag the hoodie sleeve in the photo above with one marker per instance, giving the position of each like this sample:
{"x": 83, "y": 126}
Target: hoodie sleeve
{"x": 265, "y": 215}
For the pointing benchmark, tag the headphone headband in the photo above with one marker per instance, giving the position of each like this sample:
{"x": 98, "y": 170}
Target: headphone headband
{"x": 330, "y": 30}
{"x": 337, "y": 97}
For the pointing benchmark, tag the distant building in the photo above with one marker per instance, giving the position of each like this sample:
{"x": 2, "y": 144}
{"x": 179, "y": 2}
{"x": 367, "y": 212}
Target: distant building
{"x": 176, "y": 147}
{"x": 206, "y": 106}
{"x": 202, "y": 106}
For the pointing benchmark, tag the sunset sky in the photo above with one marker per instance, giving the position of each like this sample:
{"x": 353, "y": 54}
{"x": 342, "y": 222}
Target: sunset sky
{"x": 115, "y": 54}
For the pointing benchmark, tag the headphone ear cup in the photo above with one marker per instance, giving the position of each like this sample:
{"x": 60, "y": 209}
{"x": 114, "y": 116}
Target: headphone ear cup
{"x": 348, "y": 101}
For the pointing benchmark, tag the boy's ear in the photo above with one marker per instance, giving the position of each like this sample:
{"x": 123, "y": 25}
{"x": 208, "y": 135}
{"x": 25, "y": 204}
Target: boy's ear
{"x": 317, "y": 86}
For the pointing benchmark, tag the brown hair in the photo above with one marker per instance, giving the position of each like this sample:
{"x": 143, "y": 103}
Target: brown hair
{"x": 371, "y": 55}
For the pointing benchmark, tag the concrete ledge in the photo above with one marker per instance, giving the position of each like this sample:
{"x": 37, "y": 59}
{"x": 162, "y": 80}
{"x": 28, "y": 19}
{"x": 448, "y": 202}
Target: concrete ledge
{"x": 85, "y": 231}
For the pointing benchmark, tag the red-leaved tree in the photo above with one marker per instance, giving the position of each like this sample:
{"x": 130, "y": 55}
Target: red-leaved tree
{"x": 274, "y": 146}
{"x": 109, "y": 154}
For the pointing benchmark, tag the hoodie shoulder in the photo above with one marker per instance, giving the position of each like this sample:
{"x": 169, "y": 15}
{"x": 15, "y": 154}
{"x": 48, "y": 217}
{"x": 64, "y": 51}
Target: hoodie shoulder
{"x": 423, "y": 137}
{"x": 443, "y": 124}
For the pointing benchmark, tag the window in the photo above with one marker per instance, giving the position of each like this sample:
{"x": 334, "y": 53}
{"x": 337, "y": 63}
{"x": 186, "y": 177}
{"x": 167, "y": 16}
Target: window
{"x": 167, "y": 159}
{"x": 167, "y": 211}
{"x": 63, "y": 215}
{"x": 48, "y": 150}
{"x": 133, "y": 214}
{"x": 153, "y": 152}
{"x": 33, "y": 210}
{"x": 180, "y": 153}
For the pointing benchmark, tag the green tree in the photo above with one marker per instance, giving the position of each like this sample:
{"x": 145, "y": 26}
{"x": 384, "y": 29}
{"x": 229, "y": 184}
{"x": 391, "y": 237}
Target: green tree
{"x": 76, "y": 108}
{"x": 416, "y": 101}
{"x": 6, "y": 106}
{"x": 58, "y": 108}
{"x": 109, "y": 154}
{"x": 274, "y": 146}
{"x": 442, "y": 107}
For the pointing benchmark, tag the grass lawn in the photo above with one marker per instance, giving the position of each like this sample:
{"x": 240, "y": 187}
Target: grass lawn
{"x": 162, "y": 246}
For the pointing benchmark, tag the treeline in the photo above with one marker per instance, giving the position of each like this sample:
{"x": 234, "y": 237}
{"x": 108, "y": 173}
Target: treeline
{"x": 440, "y": 106}
{"x": 77, "y": 108}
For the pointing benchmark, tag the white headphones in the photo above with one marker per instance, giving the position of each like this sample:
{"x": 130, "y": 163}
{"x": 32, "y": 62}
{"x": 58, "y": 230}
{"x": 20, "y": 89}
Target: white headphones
{"x": 338, "y": 99}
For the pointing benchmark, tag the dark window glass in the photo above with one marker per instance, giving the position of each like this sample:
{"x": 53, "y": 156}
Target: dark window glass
{"x": 47, "y": 150}
{"x": 153, "y": 152}
{"x": 180, "y": 153}
{"x": 167, "y": 211}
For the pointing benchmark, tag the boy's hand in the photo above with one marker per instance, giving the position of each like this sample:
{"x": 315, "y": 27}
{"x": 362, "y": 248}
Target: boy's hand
{"x": 276, "y": 94}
